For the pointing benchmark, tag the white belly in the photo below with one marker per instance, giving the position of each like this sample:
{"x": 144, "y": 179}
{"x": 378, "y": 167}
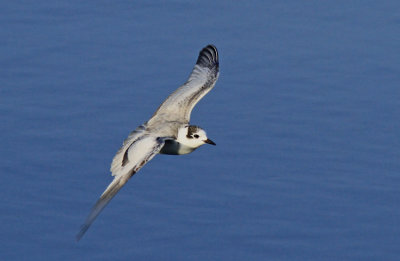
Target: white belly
{"x": 172, "y": 147}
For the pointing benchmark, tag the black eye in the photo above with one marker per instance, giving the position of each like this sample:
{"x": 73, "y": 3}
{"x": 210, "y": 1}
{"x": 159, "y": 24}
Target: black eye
{"x": 196, "y": 136}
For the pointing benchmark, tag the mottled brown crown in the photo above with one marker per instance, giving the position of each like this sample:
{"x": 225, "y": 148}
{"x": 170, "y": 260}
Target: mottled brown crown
{"x": 191, "y": 130}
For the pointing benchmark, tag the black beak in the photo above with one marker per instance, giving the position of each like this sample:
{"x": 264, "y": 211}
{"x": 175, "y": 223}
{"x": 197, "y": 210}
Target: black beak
{"x": 210, "y": 142}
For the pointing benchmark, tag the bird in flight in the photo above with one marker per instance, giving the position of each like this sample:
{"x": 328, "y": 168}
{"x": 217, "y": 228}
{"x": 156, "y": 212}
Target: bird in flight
{"x": 167, "y": 132}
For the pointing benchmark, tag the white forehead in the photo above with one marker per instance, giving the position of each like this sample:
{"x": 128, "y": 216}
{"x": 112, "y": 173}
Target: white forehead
{"x": 200, "y": 132}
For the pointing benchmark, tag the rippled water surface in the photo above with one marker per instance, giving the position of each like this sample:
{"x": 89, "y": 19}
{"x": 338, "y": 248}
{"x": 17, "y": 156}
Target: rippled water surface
{"x": 305, "y": 116}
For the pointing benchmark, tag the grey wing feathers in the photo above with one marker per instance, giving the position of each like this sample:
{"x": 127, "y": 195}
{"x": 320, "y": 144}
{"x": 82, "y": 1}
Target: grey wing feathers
{"x": 141, "y": 150}
{"x": 102, "y": 202}
{"x": 116, "y": 165}
{"x": 178, "y": 106}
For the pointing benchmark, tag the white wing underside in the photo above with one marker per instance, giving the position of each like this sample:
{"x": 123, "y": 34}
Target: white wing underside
{"x": 137, "y": 150}
{"x": 116, "y": 165}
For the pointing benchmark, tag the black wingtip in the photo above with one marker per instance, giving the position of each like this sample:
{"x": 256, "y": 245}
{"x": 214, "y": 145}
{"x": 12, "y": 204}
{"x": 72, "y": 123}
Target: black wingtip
{"x": 208, "y": 57}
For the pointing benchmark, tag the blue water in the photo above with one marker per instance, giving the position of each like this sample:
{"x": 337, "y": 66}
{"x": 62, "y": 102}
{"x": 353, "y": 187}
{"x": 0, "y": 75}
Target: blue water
{"x": 305, "y": 115}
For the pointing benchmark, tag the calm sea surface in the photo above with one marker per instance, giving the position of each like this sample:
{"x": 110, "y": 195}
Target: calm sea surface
{"x": 305, "y": 115}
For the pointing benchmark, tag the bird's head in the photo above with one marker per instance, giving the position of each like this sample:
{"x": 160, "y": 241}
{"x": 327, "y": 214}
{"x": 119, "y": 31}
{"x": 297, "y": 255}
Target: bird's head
{"x": 193, "y": 136}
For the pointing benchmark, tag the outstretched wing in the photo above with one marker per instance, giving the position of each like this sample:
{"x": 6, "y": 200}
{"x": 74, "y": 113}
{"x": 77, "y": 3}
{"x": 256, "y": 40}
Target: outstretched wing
{"x": 135, "y": 154}
{"x": 179, "y": 105}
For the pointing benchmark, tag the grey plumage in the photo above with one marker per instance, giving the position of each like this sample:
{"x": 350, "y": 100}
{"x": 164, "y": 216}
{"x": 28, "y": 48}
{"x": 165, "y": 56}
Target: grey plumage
{"x": 179, "y": 105}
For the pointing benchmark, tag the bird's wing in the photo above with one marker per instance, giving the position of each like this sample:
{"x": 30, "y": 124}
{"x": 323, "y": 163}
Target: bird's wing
{"x": 140, "y": 149}
{"x": 179, "y": 105}
{"x": 118, "y": 160}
